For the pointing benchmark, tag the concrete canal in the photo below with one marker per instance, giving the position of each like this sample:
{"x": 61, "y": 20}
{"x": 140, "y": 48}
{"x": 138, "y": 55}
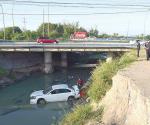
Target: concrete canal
{"x": 14, "y": 100}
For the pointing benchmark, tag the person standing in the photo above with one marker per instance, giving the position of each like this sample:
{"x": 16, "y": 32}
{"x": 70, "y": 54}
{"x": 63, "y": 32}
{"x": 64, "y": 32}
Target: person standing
{"x": 147, "y": 48}
{"x": 80, "y": 83}
{"x": 138, "y": 47}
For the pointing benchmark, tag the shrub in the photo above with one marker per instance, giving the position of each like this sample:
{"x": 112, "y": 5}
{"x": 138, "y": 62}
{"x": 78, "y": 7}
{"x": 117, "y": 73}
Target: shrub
{"x": 78, "y": 116}
{"x": 102, "y": 75}
{"x": 127, "y": 58}
{"x": 102, "y": 79}
{"x": 97, "y": 115}
{"x": 82, "y": 114}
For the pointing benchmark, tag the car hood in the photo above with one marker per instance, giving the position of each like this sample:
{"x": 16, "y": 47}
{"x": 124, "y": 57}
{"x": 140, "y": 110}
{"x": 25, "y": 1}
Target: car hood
{"x": 37, "y": 93}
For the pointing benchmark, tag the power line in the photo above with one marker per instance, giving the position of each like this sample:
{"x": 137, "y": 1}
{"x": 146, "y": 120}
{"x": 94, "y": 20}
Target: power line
{"x": 77, "y": 6}
{"x": 73, "y": 3}
{"x": 80, "y": 3}
{"x": 73, "y": 14}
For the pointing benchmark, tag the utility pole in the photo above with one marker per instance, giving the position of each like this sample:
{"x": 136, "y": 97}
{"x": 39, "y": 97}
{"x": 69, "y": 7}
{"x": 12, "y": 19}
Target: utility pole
{"x": 144, "y": 25}
{"x": 24, "y": 24}
{"x": 48, "y": 21}
{"x": 43, "y": 24}
{"x": 3, "y": 21}
{"x": 128, "y": 30}
{"x": 13, "y": 22}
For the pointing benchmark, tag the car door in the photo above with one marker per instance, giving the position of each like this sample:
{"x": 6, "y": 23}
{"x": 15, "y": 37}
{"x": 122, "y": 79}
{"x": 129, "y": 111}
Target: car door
{"x": 65, "y": 93}
{"x": 56, "y": 95}
{"x": 51, "y": 96}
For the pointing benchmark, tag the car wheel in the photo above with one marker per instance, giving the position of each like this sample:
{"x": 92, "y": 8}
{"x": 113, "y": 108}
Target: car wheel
{"x": 71, "y": 100}
{"x": 41, "y": 102}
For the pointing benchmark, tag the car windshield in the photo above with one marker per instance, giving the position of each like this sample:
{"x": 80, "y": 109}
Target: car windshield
{"x": 46, "y": 90}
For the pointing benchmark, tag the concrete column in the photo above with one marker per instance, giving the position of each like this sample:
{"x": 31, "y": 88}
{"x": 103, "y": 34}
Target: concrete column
{"x": 48, "y": 68}
{"x": 109, "y": 57}
{"x": 64, "y": 59}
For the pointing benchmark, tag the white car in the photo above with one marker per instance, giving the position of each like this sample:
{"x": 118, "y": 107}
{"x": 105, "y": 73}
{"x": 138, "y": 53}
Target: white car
{"x": 61, "y": 92}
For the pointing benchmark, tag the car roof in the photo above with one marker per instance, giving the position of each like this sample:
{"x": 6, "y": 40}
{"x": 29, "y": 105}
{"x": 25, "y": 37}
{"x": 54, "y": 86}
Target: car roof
{"x": 60, "y": 86}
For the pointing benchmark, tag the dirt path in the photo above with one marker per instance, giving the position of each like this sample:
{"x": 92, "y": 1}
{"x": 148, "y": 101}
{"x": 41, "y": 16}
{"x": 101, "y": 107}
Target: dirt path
{"x": 140, "y": 73}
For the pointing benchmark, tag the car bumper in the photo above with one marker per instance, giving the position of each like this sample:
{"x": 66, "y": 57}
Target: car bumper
{"x": 33, "y": 101}
{"x": 77, "y": 96}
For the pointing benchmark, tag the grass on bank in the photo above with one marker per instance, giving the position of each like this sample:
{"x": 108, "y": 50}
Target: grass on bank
{"x": 102, "y": 75}
{"x": 101, "y": 81}
{"x": 82, "y": 114}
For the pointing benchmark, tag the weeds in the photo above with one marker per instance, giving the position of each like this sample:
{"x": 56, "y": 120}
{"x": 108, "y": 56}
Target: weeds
{"x": 102, "y": 75}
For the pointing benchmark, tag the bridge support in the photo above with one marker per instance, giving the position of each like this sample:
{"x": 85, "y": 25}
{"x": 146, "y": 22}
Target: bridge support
{"x": 64, "y": 59}
{"x": 48, "y": 67}
{"x": 109, "y": 57}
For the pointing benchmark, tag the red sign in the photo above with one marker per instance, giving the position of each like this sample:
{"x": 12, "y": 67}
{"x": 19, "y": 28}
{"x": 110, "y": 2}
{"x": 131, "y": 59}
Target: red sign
{"x": 80, "y": 35}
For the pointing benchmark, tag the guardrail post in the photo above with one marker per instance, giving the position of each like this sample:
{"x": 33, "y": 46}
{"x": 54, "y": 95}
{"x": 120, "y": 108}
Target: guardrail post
{"x": 48, "y": 68}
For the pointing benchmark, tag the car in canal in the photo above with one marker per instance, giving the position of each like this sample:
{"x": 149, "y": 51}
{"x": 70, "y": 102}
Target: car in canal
{"x": 46, "y": 40}
{"x": 60, "y": 92}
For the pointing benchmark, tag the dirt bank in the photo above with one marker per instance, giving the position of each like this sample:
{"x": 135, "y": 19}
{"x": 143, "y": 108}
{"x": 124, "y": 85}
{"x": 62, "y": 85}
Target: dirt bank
{"x": 128, "y": 101}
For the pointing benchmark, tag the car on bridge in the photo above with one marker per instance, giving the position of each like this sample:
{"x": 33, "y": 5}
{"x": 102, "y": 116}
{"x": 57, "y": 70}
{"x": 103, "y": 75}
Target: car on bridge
{"x": 46, "y": 40}
{"x": 60, "y": 92}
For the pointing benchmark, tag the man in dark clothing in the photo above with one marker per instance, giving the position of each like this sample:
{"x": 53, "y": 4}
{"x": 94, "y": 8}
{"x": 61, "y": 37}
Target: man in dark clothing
{"x": 147, "y": 48}
{"x": 138, "y": 47}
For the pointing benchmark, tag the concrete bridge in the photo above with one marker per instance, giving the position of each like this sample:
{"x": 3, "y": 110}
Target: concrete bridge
{"x": 65, "y": 47}
{"x": 48, "y": 49}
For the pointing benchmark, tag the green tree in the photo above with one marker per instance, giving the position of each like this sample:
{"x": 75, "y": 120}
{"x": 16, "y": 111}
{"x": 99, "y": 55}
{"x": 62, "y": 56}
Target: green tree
{"x": 19, "y": 36}
{"x": 147, "y": 37}
{"x": 34, "y": 35}
{"x": 52, "y": 27}
{"x": 9, "y": 32}
{"x": 104, "y": 35}
{"x": 141, "y": 36}
{"x": 54, "y": 34}
{"x": 60, "y": 30}
{"x": 69, "y": 29}
{"x": 93, "y": 32}
{"x": 115, "y": 35}
{"x": 1, "y": 34}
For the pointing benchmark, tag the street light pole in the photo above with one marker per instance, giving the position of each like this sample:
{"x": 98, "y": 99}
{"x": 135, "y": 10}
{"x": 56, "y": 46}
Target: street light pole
{"x": 3, "y": 20}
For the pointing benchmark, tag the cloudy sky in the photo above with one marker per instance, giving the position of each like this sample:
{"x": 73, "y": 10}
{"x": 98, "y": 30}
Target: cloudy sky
{"x": 109, "y": 16}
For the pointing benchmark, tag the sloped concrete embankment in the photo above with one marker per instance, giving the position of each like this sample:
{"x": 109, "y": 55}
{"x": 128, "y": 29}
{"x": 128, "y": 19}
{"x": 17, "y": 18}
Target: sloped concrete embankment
{"x": 128, "y": 102}
{"x": 19, "y": 65}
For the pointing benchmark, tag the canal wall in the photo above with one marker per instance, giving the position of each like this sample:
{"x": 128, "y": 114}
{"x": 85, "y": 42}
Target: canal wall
{"x": 19, "y": 66}
{"x": 14, "y": 60}
{"x": 128, "y": 101}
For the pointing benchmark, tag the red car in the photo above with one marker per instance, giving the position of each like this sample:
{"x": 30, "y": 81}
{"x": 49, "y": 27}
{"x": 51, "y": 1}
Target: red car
{"x": 46, "y": 40}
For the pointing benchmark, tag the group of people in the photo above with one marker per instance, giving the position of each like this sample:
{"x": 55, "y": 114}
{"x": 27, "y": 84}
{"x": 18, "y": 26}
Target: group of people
{"x": 147, "y": 48}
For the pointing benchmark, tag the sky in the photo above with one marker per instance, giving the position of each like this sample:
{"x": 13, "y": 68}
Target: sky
{"x": 130, "y": 24}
